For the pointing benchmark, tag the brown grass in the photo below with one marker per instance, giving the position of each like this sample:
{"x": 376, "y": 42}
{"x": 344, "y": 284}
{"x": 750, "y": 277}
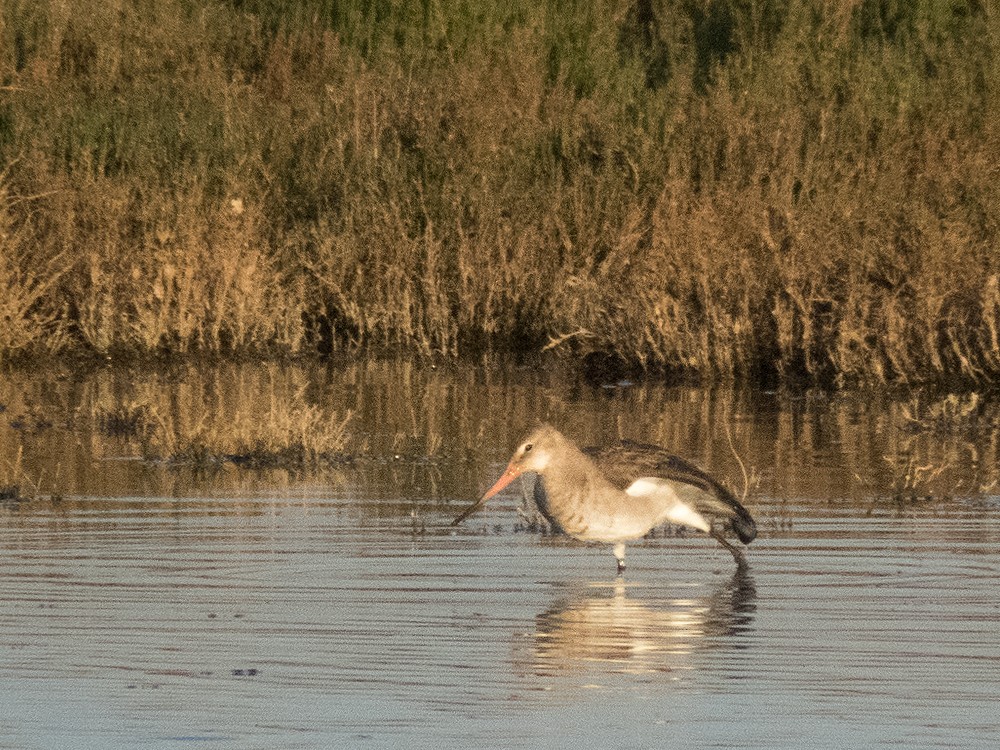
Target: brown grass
{"x": 794, "y": 189}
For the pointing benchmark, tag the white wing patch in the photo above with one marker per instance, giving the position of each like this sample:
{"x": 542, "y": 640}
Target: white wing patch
{"x": 674, "y": 509}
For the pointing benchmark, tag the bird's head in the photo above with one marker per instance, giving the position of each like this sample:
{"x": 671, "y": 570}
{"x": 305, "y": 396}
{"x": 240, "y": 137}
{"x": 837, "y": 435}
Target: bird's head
{"x": 533, "y": 454}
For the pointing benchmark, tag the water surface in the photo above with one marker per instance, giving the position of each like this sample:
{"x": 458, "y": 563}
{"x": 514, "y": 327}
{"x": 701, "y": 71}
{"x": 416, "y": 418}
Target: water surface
{"x": 154, "y": 605}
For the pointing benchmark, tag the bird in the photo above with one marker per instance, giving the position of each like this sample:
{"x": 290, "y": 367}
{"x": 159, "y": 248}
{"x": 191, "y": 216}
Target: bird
{"x": 618, "y": 493}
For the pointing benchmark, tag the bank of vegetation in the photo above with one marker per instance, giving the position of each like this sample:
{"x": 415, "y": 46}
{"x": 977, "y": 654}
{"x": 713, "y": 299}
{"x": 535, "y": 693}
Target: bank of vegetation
{"x": 792, "y": 188}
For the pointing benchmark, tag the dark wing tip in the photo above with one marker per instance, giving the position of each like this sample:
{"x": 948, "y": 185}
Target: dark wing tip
{"x": 744, "y": 526}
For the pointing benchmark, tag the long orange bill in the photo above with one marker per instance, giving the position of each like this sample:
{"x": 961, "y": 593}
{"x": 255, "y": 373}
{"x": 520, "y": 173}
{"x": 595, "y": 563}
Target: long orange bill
{"x": 506, "y": 478}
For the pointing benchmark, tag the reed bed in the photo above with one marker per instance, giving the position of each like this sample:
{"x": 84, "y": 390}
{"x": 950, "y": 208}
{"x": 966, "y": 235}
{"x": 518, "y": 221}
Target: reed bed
{"x": 791, "y": 189}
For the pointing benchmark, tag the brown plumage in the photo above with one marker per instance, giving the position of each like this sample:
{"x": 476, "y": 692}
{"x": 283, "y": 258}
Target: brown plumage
{"x": 619, "y": 493}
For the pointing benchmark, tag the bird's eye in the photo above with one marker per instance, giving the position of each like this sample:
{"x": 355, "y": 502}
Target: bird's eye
{"x": 528, "y": 447}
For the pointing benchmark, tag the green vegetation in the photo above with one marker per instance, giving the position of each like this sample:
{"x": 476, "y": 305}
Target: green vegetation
{"x": 730, "y": 188}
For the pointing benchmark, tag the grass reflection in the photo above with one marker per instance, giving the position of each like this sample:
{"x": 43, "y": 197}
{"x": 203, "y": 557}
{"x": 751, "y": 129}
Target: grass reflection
{"x": 391, "y": 429}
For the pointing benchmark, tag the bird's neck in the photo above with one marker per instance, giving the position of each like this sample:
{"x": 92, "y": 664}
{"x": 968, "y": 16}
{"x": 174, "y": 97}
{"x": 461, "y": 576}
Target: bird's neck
{"x": 574, "y": 474}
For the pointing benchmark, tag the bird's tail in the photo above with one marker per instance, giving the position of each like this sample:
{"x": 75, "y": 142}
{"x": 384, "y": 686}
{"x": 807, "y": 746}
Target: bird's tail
{"x": 715, "y": 499}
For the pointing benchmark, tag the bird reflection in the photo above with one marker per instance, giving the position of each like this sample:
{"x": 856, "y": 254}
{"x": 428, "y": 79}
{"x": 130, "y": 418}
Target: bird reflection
{"x": 605, "y": 629}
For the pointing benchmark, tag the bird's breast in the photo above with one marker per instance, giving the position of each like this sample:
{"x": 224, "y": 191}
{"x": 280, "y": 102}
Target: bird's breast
{"x": 594, "y": 513}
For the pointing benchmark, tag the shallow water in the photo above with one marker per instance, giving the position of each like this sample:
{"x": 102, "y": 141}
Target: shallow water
{"x": 148, "y": 605}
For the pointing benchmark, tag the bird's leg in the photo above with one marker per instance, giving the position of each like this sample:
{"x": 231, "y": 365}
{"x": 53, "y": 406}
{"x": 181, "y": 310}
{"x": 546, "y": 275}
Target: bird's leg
{"x": 735, "y": 551}
{"x": 620, "y": 555}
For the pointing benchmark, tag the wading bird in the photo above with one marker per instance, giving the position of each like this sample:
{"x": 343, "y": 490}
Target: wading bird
{"x": 619, "y": 493}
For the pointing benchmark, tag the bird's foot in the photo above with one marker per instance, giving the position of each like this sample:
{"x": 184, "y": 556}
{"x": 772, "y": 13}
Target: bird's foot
{"x": 620, "y": 557}
{"x": 735, "y": 551}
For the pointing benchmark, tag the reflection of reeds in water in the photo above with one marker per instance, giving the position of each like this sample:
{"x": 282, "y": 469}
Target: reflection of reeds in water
{"x": 282, "y": 432}
{"x": 15, "y": 483}
{"x": 603, "y": 629}
{"x": 126, "y": 420}
{"x": 262, "y": 417}
{"x": 450, "y": 425}
{"x": 294, "y": 435}
{"x": 956, "y": 426}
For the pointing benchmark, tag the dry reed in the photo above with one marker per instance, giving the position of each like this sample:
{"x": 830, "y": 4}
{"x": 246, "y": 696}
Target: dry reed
{"x": 791, "y": 188}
